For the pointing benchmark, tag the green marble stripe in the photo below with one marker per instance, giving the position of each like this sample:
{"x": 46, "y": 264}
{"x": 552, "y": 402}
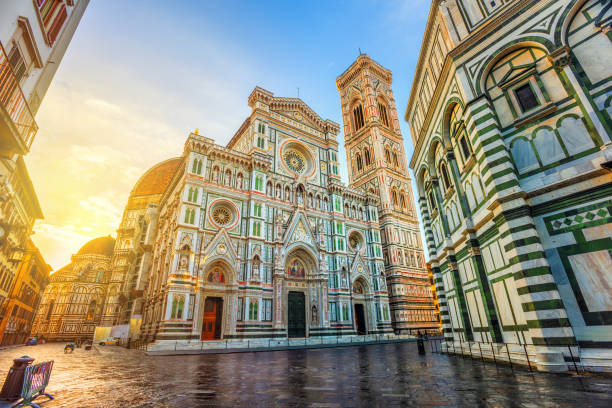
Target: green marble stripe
{"x": 499, "y": 174}
{"x": 506, "y": 185}
{"x": 522, "y": 242}
{"x": 527, "y": 273}
{"x": 553, "y": 341}
{"x": 515, "y": 230}
{"x": 550, "y": 304}
{"x": 548, "y": 323}
{"x": 489, "y": 153}
{"x": 530, "y": 256}
{"x": 475, "y": 111}
{"x": 541, "y": 287}
{"x": 487, "y": 141}
{"x": 588, "y": 196}
{"x": 498, "y": 162}
{"x": 484, "y": 118}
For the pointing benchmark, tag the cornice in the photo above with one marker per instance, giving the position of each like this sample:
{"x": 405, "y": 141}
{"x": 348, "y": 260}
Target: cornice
{"x": 364, "y": 61}
{"x": 281, "y": 103}
{"x": 474, "y": 37}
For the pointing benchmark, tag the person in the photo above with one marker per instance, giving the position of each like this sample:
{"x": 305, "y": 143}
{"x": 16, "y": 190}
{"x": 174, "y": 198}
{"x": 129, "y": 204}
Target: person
{"x": 69, "y": 348}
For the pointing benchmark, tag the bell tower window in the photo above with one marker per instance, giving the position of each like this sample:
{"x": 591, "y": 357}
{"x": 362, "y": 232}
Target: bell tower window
{"x": 382, "y": 112}
{"x": 358, "y": 117}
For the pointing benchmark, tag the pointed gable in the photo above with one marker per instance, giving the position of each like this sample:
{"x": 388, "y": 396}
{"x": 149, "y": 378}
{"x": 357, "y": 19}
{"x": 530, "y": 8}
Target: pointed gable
{"x": 299, "y": 231}
{"x": 221, "y": 247}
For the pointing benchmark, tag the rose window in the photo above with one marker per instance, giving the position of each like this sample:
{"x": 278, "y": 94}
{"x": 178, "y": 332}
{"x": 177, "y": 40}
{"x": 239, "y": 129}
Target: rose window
{"x": 222, "y": 215}
{"x": 295, "y": 161}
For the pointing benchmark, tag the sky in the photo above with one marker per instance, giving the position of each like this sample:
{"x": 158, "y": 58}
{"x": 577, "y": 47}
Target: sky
{"x": 139, "y": 76}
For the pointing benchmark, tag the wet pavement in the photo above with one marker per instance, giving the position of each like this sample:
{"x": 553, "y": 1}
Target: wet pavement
{"x": 391, "y": 375}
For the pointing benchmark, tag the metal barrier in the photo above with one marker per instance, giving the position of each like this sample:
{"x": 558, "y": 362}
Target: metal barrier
{"x": 503, "y": 356}
{"x": 35, "y": 380}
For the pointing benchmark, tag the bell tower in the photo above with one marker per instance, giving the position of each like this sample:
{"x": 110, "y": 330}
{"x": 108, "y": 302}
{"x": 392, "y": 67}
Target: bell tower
{"x": 377, "y": 164}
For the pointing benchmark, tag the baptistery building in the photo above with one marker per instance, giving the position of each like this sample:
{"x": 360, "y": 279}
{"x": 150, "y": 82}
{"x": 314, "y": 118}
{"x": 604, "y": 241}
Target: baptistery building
{"x": 511, "y": 117}
{"x": 80, "y": 296}
{"x": 261, "y": 239}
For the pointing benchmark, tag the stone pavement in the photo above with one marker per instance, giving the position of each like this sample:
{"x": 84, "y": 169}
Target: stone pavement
{"x": 391, "y": 375}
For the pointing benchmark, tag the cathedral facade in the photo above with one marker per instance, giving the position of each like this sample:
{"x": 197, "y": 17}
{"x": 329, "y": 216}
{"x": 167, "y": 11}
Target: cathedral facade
{"x": 261, "y": 239}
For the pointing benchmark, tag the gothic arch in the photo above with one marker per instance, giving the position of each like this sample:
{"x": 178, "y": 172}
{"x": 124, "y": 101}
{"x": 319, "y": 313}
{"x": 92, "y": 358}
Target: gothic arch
{"x": 505, "y": 49}
{"x": 222, "y": 262}
{"x": 450, "y": 106}
{"x": 563, "y": 24}
{"x": 305, "y": 254}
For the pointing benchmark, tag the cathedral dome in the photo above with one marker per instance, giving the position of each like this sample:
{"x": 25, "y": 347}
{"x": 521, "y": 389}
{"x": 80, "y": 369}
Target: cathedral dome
{"x": 156, "y": 179}
{"x": 98, "y": 246}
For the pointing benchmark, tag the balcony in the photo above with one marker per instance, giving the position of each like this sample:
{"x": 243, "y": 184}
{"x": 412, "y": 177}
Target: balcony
{"x": 17, "y": 124}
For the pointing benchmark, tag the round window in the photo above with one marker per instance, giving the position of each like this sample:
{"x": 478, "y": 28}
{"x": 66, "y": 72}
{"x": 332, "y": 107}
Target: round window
{"x": 297, "y": 158}
{"x": 223, "y": 214}
{"x": 295, "y": 161}
{"x": 355, "y": 240}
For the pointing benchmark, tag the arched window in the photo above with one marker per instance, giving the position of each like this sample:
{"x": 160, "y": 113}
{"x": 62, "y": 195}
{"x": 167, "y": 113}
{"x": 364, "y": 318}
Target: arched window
{"x": 359, "y": 164}
{"x": 194, "y": 167}
{"x": 402, "y": 202}
{"x": 382, "y": 112}
{"x": 366, "y": 156}
{"x": 395, "y": 161}
{"x": 358, "y": 121}
{"x": 388, "y": 156}
{"x": 445, "y": 177}
{"x": 458, "y": 133}
{"x": 394, "y": 198}
{"x": 50, "y": 309}
{"x": 259, "y": 183}
{"x": 189, "y": 216}
{"x": 91, "y": 311}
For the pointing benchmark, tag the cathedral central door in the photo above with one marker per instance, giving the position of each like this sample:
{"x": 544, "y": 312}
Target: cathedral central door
{"x": 296, "y": 314}
{"x": 211, "y": 326}
{"x": 360, "y": 319}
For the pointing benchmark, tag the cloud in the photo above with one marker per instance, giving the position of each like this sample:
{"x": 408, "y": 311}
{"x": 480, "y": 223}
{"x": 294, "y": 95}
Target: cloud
{"x": 102, "y": 105}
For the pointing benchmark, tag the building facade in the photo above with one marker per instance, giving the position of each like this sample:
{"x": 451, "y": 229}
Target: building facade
{"x": 260, "y": 239}
{"x": 18, "y": 311}
{"x": 510, "y": 114}
{"x": 132, "y": 255}
{"x": 34, "y": 36}
{"x": 377, "y": 163}
{"x": 80, "y": 296}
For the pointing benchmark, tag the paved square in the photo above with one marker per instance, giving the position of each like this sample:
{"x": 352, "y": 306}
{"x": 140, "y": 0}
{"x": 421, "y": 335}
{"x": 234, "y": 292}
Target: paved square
{"x": 391, "y": 375}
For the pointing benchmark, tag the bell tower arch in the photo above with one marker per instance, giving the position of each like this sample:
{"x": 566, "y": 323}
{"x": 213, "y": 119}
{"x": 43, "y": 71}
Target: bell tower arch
{"x": 377, "y": 162}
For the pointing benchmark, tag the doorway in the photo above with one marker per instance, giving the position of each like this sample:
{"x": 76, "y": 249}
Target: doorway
{"x": 296, "y": 314}
{"x": 213, "y": 313}
{"x": 360, "y": 319}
